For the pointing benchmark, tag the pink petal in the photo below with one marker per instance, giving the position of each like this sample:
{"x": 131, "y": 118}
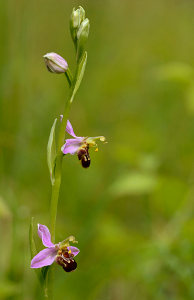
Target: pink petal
{"x": 44, "y": 258}
{"x": 74, "y": 250}
{"x": 72, "y": 145}
{"x": 69, "y": 129}
{"x": 45, "y": 235}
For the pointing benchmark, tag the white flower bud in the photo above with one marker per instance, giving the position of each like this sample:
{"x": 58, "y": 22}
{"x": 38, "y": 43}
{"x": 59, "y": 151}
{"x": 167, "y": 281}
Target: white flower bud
{"x": 55, "y": 63}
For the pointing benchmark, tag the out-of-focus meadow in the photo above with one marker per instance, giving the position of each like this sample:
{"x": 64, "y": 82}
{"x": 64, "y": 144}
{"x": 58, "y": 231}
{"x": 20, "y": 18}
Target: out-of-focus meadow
{"x": 132, "y": 210}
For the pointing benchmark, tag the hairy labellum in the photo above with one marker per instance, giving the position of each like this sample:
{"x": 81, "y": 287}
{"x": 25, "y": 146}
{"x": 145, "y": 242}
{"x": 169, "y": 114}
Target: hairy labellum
{"x": 65, "y": 260}
{"x": 84, "y": 156}
{"x": 85, "y": 161}
{"x": 68, "y": 265}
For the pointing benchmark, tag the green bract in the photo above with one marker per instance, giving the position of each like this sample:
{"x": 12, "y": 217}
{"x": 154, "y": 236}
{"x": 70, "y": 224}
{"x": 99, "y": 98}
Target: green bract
{"x": 51, "y": 152}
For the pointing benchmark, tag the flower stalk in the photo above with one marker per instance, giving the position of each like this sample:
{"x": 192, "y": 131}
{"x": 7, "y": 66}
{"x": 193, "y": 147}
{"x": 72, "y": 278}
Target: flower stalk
{"x": 63, "y": 253}
{"x": 74, "y": 83}
{"x": 58, "y": 170}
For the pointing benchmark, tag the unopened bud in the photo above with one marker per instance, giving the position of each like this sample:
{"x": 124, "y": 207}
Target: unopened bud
{"x": 81, "y": 15}
{"x": 55, "y": 63}
{"x": 74, "y": 18}
{"x": 77, "y": 17}
{"x": 84, "y": 29}
{"x": 82, "y": 36}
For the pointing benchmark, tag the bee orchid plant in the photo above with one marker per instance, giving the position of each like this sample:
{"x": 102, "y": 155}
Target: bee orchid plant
{"x": 63, "y": 253}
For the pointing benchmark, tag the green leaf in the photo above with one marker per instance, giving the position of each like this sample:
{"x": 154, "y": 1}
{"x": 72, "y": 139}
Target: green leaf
{"x": 33, "y": 250}
{"x": 79, "y": 74}
{"x": 51, "y": 152}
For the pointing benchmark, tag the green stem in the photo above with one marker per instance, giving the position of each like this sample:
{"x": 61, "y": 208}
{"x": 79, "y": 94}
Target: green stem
{"x": 56, "y": 189}
{"x": 55, "y": 195}
{"x": 58, "y": 169}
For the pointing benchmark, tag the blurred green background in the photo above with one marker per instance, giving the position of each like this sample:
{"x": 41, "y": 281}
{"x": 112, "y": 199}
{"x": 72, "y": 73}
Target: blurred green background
{"x": 132, "y": 210}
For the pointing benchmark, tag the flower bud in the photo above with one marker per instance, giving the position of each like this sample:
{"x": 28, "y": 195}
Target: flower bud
{"x": 74, "y": 18}
{"x": 84, "y": 29}
{"x": 82, "y": 36}
{"x": 81, "y": 14}
{"x": 55, "y": 63}
{"x": 77, "y": 17}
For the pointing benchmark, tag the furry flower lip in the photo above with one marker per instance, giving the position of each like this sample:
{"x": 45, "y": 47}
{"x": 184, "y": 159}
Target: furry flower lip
{"x": 62, "y": 253}
{"x": 80, "y": 145}
{"x": 55, "y": 63}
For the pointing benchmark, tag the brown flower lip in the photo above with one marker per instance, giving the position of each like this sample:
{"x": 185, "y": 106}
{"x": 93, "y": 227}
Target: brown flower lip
{"x": 65, "y": 260}
{"x": 84, "y": 156}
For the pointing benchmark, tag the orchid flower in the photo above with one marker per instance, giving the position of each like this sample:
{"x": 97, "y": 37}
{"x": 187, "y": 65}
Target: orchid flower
{"x": 62, "y": 252}
{"x": 80, "y": 145}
